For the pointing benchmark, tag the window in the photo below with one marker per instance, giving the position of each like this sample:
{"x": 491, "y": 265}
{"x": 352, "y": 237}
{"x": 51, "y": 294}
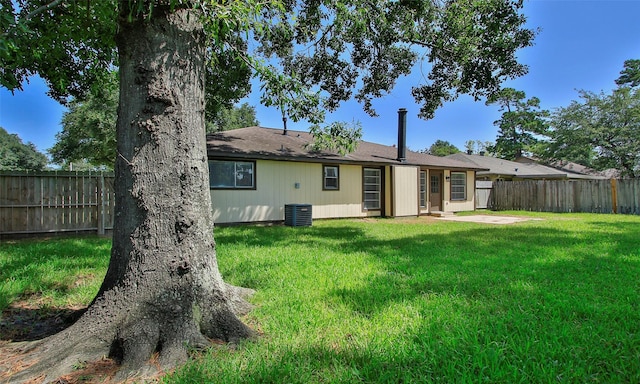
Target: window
{"x": 372, "y": 188}
{"x": 423, "y": 188}
{"x": 458, "y": 186}
{"x": 331, "y": 177}
{"x": 231, "y": 174}
{"x": 435, "y": 184}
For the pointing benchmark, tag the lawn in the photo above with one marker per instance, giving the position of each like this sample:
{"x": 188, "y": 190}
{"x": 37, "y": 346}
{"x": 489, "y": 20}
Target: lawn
{"x": 418, "y": 300}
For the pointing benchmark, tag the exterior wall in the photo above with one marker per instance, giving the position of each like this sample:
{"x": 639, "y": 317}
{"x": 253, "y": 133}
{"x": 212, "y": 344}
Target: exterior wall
{"x": 405, "y": 191}
{"x": 458, "y": 206}
{"x": 275, "y": 187}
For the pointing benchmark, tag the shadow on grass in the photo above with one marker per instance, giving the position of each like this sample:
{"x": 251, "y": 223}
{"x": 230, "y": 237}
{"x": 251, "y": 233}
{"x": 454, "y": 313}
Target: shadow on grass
{"x": 20, "y": 323}
{"x": 474, "y": 261}
{"x": 33, "y": 272}
{"x": 521, "y": 303}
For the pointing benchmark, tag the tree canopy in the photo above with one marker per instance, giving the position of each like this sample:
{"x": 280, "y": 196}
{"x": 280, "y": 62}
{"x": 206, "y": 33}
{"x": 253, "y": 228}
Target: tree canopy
{"x": 601, "y": 131}
{"x": 234, "y": 117}
{"x": 478, "y": 146}
{"x": 18, "y": 156}
{"x": 88, "y": 135}
{"x": 521, "y": 125}
{"x": 630, "y": 75}
{"x": 163, "y": 294}
{"x": 341, "y": 49}
{"x": 441, "y": 148}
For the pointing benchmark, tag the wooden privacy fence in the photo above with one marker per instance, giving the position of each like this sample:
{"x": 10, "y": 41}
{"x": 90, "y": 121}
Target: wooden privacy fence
{"x": 50, "y": 202}
{"x": 597, "y": 196}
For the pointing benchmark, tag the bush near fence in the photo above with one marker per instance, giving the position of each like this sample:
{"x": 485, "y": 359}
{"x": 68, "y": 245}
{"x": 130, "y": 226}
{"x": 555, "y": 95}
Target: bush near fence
{"x": 54, "y": 202}
{"x": 595, "y": 196}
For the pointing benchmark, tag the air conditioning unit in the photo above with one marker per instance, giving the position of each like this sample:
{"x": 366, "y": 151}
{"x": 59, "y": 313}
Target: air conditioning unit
{"x": 297, "y": 215}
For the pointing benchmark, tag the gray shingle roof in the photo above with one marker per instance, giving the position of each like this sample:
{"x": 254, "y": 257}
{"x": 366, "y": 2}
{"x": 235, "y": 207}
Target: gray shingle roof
{"x": 271, "y": 144}
{"x": 507, "y": 168}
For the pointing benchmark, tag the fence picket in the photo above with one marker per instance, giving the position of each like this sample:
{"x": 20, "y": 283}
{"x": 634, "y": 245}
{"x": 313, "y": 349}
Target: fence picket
{"x": 595, "y": 196}
{"x": 49, "y": 202}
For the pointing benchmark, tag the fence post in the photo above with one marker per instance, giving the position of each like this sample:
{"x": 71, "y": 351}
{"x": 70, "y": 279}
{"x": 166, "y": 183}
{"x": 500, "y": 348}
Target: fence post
{"x": 101, "y": 212}
{"x": 614, "y": 195}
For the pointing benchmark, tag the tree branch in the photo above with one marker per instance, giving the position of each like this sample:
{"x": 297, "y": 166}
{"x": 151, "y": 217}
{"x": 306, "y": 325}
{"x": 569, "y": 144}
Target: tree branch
{"x": 43, "y": 8}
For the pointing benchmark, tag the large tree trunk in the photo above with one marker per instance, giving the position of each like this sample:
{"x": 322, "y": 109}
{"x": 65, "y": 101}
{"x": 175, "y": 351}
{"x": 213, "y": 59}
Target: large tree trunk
{"x": 163, "y": 292}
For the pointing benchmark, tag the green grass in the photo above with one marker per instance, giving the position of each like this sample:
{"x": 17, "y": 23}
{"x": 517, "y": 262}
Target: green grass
{"x": 556, "y": 300}
{"x": 53, "y": 272}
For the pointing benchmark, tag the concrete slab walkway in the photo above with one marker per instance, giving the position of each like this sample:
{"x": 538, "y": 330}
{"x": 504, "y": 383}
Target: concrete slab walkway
{"x": 488, "y": 219}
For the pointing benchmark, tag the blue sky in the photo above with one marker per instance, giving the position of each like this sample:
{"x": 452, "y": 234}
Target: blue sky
{"x": 582, "y": 45}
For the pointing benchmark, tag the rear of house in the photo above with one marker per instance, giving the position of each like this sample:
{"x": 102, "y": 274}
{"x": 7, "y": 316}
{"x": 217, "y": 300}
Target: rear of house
{"x": 255, "y": 172}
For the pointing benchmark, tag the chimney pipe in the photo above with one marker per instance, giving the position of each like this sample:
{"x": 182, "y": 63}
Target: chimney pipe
{"x": 284, "y": 123}
{"x": 402, "y": 135}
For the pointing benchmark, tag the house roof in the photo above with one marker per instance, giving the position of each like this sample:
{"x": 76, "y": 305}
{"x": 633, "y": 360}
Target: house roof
{"x": 271, "y": 144}
{"x": 572, "y": 167}
{"x": 507, "y": 168}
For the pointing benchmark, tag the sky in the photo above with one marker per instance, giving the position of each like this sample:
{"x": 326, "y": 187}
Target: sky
{"x": 582, "y": 45}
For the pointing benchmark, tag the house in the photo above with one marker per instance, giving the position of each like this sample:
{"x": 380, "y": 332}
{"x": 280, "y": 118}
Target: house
{"x": 500, "y": 169}
{"x": 572, "y": 167}
{"x": 256, "y": 171}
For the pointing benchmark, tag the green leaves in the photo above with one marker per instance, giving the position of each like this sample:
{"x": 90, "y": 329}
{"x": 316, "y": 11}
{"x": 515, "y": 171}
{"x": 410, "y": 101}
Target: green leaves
{"x": 338, "y": 136}
{"x": 233, "y": 118}
{"x": 472, "y": 50}
{"x": 602, "y": 130}
{"x": 69, "y": 44}
{"x": 630, "y": 75}
{"x": 89, "y": 127}
{"x": 442, "y": 148}
{"x": 310, "y": 55}
{"x": 18, "y": 156}
{"x": 359, "y": 49}
{"x": 521, "y": 125}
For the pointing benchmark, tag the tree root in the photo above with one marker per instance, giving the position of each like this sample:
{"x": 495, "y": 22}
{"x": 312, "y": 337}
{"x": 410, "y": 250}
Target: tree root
{"x": 144, "y": 342}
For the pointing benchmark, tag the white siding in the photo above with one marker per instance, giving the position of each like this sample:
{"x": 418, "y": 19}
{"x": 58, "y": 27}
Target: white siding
{"x": 458, "y": 206}
{"x": 405, "y": 191}
{"x": 276, "y": 186}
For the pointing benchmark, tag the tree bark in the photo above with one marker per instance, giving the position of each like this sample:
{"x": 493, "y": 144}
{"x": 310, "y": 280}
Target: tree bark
{"x": 162, "y": 293}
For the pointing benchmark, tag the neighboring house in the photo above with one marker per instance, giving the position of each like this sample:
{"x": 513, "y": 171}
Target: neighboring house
{"x": 572, "y": 167}
{"x": 500, "y": 169}
{"x": 255, "y": 172}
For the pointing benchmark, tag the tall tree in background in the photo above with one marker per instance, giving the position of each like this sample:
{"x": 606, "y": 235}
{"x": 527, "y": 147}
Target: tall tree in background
{"x": 630, "y": 75}
{"x": 600, "y": 131}
{"x": 233, "y": 118}
{"x": 88, "y": 136}
{"x": 18, "y": 156}
{"x": 478, "y": 146}
{"x": 163, "y": 294}
{"x": 89, "y": 127}
{"x": 442, "y": 148}
{"x": 520, "y": 125}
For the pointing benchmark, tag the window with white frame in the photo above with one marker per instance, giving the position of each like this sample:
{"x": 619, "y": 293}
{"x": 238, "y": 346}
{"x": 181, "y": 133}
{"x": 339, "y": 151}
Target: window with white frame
{"x": 458, "y": 185}
{"x": 331, "y": 177}
{"x": 225, "y": 174}
{"x": 423, "y": 188}
{"x": 372, "y": 187}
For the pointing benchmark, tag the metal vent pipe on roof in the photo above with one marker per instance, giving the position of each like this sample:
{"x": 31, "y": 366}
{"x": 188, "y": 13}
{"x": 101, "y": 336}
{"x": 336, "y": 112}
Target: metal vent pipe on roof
{"x": 284, "y": 124}
{"x": 402, "y": 135}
